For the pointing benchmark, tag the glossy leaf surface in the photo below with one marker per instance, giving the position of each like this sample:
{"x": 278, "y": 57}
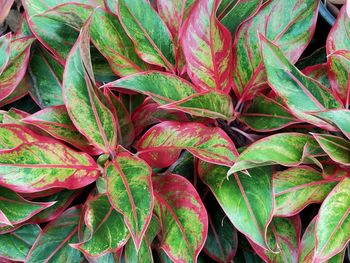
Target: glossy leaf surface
{"x": 207, "y": 48}
{"x": 129, "y": 189}
{"x": 206, "y": 143}
{"x": 246, "y": 200}
{"x": 333, "y": 222}
{"x": 340, "y": 118}
{"x": 184, "y": 220}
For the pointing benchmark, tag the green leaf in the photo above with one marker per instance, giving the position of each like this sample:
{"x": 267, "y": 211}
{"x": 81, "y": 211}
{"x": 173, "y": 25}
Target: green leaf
{"x": 339, "y": 118}
{"x": 86, "y": 104}
{"x": 265, "y": 115}
{"x": 318, "y": 72}
{"x": 207, "y": 143}
{"x": 12, "y": 135}
{"x": 52, "y": 245}
{"x": 19, "y": 92}
{"x": 152, "y": 40}
{"x": 15, "y": 209}
{"x": 129, "y": 189}
{"x": 300, "y": 93}
{"x": 247, "y": 200}
{"x": 292, "y": 31}
{"x": 283, "y": 237}
{"x": 337, "y": 148}
{"x": 297, "y": 187}
{"x": 102, "y": 221}
{"x": 211, "y": 104}
{"x": 288, "y": 149}
{"x": 144, "y": 255}
{"x": 232, "y": 13}
{"x": 16, "y": 245}
{"x": 37, "y": 166}
{"x": 333, "y": 222}
{"x": 46, "y": 77}
{"x": 56, "y": 121}
{"x": 183, "y": 218}
{"x": 160, "y": 86}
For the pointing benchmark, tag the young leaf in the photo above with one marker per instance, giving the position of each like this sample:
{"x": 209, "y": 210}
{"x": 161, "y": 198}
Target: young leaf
{"x": 333, "y": 222}
{"x": 152, "y": 39}
{"x": 232, "y": 13}
{"x": 301, "y": 93}
{"x": 129, "y": 190}
{"x": 292, "y": 33}
{"x": 52, "y": 245}
{"x": 37, "y": 166}
{"x": 337, "y": 148}
{"x": 102, "y": 221}
{"x": 126, "y": 131}
{"x": 46, "y": 76}
{"x": 265, "y": 115}
{"x": 297, "y": 187}
{"x": 211, "y": 104}
{"x": 16, "y": 245}
{"x": 206, "y": 143}
{"x": 55, "y": 121}
{"x": 206, "y": 44}
{"x": 160, "y": 86}
{"x": 16, "y": 209}
{"x": 84, "y": 102}
{"x": 184, "y": 220}
{"x": 288, "y": 149}
{"x": 340, "y": 118}
{"x": 246, "y": 200}
{"x": 283, "y": 237}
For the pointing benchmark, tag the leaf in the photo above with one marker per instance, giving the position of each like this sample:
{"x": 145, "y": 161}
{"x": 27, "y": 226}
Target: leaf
{"x": 37, "y": 166}
{"x": 149, "y": 113}
{"x": 84, "y": 101}
{"x": 266, "y": 114}
{"x": 102, "y": 221}
{"x": 291, "y": 33}
{"x": 144, "y": 255}
{"x": 301, "y": 94}
{"x": 5, "y": 9}
{"x": 340, "y": 118}
{"x": 208, "y": 50}
{"x": 247, "y": 200}
{"x": 318, "y": 72}
{"x": 206, "y": 143}
{"x": 46, "y": 76}
{"x": 16, "y": 245}
{"x": 184, "y": 220}
{"x": 160, "y": 86}
{"x": 333, "y": 222}
{"x": 297, "y": 187}
{"x": 211, "y": 104}
{"x": 19, "y": 92}
{"x": 55, "y": 121}
{"x": 16, "y": 66}
{"x": 5, "y": 48}
{"x": 232, "y": 13}
{"x": 221, "y": 244}
{"x": 16, "y": 209}
{"x": 288, "y": 149}
{"x": 307, "y": 247}
{"x": 283, "y": 236}
{"x": 130, "y": 192}
{"x": 337, "y": 148}
{"x": 61, "y": 201}
{"x": 151, "y": 38}
{"x": 13, "y": 135}
{"x": 339, "y": 70}
{"x": 126, "y": 131}
{"x": 52, "y": 245}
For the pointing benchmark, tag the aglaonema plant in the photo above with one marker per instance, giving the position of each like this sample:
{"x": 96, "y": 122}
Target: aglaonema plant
{"x": 174, "y": 131}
